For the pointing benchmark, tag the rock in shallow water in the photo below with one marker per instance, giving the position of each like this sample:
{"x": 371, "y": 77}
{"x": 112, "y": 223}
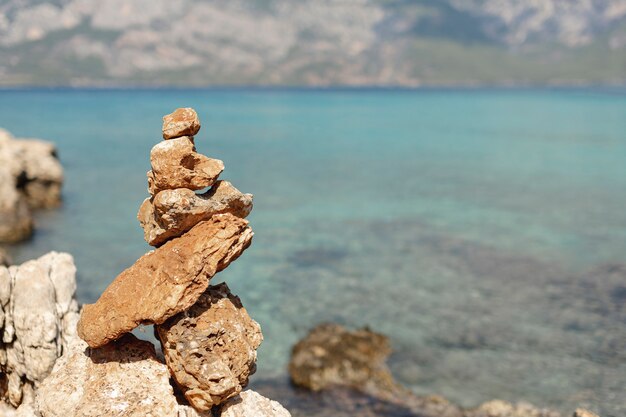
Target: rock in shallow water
{"x": 173, "y": 212}
{"x": 123, "y": 378}
{"x": 38, "y": 313}
{"x": 252, "y": 404}
{"x": 182, "y": 122}
{"x": 211, "y": 348}
{"x": 331, "y": 355}
{"x": 165, "y": 281}
{"x": 176, "y": 164}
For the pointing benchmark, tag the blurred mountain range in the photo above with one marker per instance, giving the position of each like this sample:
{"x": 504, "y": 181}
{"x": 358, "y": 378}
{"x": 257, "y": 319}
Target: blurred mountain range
{"x": 312, "y": 42}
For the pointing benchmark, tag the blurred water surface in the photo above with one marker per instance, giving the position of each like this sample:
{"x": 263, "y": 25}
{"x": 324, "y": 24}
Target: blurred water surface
{"x": 484, "y": 231}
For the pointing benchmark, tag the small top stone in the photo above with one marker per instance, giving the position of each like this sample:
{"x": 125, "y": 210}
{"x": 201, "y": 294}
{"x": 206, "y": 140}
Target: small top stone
{"x": 182, "y": 122}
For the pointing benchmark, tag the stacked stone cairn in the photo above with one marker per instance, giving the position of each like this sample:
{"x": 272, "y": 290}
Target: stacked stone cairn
{"x": 208, "y": 339}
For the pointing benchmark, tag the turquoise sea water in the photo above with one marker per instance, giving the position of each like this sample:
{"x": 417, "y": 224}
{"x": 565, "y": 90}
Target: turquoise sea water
{"x": 483, "y": 231}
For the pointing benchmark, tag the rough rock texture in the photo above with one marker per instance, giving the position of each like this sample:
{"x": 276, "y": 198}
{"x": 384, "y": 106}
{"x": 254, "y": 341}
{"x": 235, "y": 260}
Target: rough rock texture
{"x": 581, "y": 412}
{"x": 173, "y": 212}
{"x": 331, "y": 355}
{"x": 498, "y": 408}
{"x": 211, "y": 348}
{"x": 165, "y": 281}
{"x": 176, "y": 164}
{"x": 182, "y": 122}
{"x": 123, "y": 378}
{"x": 252, "y": 404}
{"x": 38, "y": 315}
{"x": 24, "y": 410}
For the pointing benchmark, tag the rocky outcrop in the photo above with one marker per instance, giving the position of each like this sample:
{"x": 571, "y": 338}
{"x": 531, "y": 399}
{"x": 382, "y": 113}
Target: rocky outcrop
{"x": 38, "y": 315}
{"x": 30, "y": 177}
{"x": 252, "y": 404}
{"x": 173, "y": 212}
{"x": 182, "y": 122}
{"x": 331, "y": 355}
{"x": 16, "y": 221}
{"x": 123, "y": 378}
{"x": 208, "y": 340}
{"x": 176, "y": 164}
{"x": 211, "y": 347}
{"x": 165, "y": 281}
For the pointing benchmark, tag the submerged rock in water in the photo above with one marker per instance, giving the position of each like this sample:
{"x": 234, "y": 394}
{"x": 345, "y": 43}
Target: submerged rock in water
{"x": 173, "y": 212}
{"x": 165, "y": 281}
{"x": 211, "y": 347}
{"x": 38, "y": 313}
{"x": 176, "y": 164}
{"x": 181, "y": 122}
{"x": 331, "y": 355}
{"x": 123, "y": 378}
{"x": 253, "y": 404}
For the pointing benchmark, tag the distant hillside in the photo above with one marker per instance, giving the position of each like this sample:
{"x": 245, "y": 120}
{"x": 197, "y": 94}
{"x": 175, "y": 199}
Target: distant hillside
{"x": 312, "y": 42}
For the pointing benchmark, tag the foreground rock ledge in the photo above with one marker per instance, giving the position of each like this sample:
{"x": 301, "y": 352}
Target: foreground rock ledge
{"x": 123, "y": 378}
{"x": 38, "y": 315}
{"x": 165, "y": 281}
{"x": 211, "y": 348}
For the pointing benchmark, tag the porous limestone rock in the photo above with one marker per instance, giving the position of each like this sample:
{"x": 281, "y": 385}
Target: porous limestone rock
{"x": 251, "y": 404}
{"x": 24, "y": 410}
{"x": 38, "y": 315}
{"x": 182, "y": 122}
{"x": 123, "y": 378}
{"x": 176, "y": 164}
{"x": 173, "y": 212}
{"x": 211, "y": 348}
{"x": 331, "y": 355}
{"x": 165, "y": 281}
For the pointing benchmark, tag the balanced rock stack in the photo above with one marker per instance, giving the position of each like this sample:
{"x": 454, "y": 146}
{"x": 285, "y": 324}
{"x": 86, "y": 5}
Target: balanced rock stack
{"x": 208, "y": 339}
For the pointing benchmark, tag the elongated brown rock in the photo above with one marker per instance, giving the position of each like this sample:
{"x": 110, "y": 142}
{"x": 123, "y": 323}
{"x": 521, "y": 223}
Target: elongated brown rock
{"x": 173, "y": 212}
{"x": 165, "y": 281}
{"x": 211, "y": 348}
{"x": 176, "y": 164}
